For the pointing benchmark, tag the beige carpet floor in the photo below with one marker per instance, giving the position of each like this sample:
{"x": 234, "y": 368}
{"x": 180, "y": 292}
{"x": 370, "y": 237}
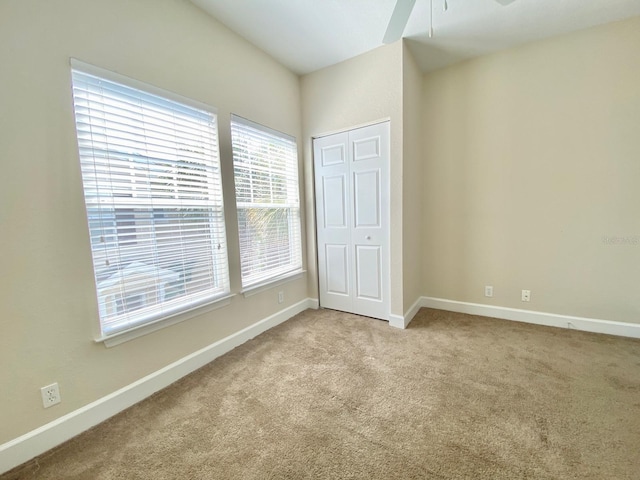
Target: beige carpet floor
{"x": 333, "y": 395}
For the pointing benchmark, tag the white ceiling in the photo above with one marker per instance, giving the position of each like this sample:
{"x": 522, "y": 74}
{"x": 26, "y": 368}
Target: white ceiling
{"x": 307, "y": 35}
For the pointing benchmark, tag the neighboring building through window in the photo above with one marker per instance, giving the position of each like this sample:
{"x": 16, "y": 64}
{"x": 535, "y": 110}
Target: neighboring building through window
{"x": 153, "y": 193}
{"x": 267, "y": 197}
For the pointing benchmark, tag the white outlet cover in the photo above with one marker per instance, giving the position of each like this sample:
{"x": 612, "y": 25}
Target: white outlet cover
{"x": 50, "y": 395}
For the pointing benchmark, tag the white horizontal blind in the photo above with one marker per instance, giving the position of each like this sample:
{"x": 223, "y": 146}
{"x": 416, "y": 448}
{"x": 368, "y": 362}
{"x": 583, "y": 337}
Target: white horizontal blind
{"x": 266, "y": 178}
{"x": 153, "y": 193}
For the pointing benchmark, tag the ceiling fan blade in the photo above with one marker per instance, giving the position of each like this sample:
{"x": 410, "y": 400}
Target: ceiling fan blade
{"x": 398, "y": 21}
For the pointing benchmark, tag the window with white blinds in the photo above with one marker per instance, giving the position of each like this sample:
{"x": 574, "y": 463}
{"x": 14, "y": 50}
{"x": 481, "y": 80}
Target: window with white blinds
{"x": 151, "y": 175}
{"x": 267, "y": 196}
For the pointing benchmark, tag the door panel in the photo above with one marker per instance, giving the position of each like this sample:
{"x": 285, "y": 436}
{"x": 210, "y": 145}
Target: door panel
{"x": 333, "y": 190}
{"x": 337, "y": 269}
{"x": 333, "y": 155}
{"x": 366, "y": 187}
{"x": 335, "y": 201}
{"x": 366, "y": 148}
{"x": 368, "y": 272}
{"x": 352, "y": 209}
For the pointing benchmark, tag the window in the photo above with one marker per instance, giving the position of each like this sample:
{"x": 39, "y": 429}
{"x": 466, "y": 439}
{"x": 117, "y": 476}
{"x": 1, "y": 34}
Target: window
{"x": 152, "y": 187}
{"x": 266, "y": 177}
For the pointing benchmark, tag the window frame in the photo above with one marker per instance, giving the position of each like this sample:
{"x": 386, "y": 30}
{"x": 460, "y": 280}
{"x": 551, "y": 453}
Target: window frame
{"x": 295, "y": 269}
{"x": 193, "y": 304}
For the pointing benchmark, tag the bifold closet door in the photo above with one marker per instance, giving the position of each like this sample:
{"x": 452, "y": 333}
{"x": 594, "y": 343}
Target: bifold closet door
{"x": 352, "y": 212}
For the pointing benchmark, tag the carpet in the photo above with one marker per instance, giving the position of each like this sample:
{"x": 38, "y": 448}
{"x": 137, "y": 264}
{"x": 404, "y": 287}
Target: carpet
{"x": 334, "y": 395}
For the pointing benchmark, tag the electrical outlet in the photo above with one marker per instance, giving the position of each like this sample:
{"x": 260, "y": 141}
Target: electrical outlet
{"x": 50, "y": 395}
{"x": 280, "y": 297}
{"x": 526, "y": 295}
{"x": 488, "y": 291}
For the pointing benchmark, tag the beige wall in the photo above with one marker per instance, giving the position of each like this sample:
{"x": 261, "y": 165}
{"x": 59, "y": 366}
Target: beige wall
{"x": 362, "y": 90}
{"x": 48, "y": 308}
{"x": 412, "y": 185}
{"x": 532, "y": 158}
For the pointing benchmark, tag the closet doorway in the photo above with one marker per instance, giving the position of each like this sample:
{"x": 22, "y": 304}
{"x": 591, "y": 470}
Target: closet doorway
{"x": 352, "y": 213}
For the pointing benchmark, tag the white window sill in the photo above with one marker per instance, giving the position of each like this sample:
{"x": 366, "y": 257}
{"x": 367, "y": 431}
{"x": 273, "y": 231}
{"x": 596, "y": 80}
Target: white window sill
{"x": 144, "y": 329}
{"x": 273, "y": 282}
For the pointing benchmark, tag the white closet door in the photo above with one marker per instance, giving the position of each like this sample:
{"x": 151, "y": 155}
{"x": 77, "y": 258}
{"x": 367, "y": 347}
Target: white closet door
{"x": 352, "y": 211}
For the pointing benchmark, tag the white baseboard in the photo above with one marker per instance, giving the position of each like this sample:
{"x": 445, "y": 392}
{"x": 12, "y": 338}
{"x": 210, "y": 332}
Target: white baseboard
{"x": 396, "y": 321}
{"x": 38, "y": 441}
{"x": 539, "y": 318}
{"x": 403, "y": 321}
